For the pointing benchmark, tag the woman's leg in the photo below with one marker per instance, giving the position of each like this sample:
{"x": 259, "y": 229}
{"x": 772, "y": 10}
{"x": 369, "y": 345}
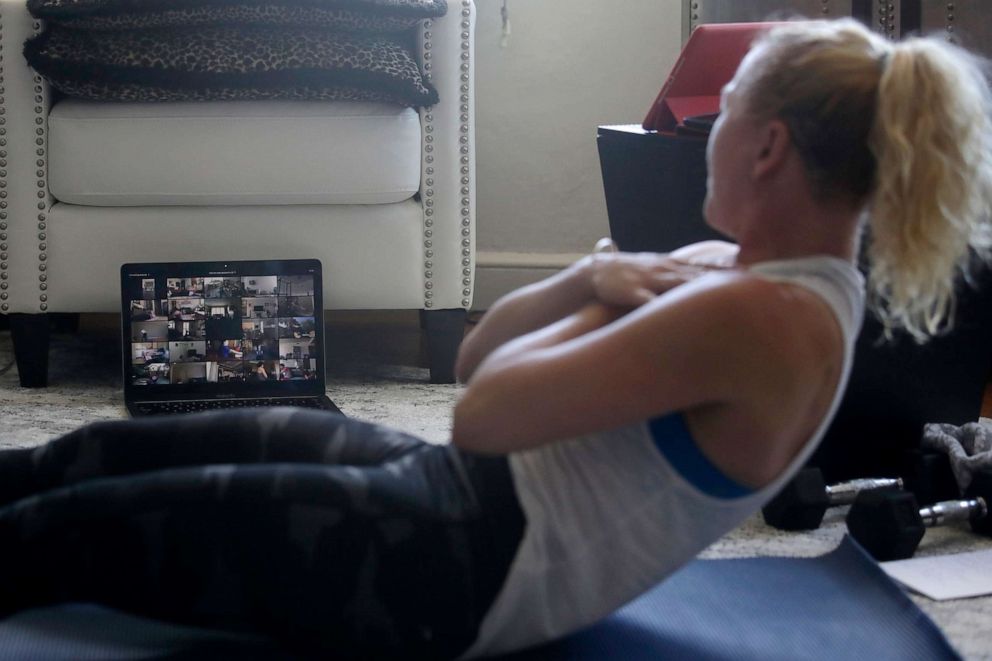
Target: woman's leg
{"x": 373, "y": 561}
{"x": 127, "y": 447}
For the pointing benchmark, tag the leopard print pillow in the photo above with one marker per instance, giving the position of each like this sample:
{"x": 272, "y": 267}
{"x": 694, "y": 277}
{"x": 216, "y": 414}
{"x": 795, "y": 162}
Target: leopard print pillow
{"x": 246, "y": 62}
{"x": 362, "y": 15}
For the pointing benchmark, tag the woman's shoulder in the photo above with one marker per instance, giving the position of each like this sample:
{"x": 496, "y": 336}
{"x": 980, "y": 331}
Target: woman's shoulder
{"x": 717, "y": 254}
{"x": 775, "y": 354}
{"x": 773, "y": 325}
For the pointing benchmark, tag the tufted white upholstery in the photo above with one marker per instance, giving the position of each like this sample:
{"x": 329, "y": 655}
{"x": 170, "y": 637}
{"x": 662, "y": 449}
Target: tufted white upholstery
{"x": 385, "y": 197}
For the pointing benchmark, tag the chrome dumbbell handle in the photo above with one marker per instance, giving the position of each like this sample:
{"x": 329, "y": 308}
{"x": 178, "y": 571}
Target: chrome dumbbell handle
{"x": 954, "y": 510}
{"x": 845, "y": 492}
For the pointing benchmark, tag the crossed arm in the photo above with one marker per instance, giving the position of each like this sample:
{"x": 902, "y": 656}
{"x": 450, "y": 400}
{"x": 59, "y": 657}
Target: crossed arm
{"x": 621, "y": 281}
{"x": 594, "y": 347}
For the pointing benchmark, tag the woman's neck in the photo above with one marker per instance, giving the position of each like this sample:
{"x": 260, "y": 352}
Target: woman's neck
{"x": 800, "y": 233}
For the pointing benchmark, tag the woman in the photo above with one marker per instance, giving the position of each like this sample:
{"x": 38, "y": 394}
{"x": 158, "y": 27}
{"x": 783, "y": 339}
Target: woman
{"x": 618, "y": 417}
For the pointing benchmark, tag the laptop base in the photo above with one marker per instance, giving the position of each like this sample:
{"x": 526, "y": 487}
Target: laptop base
{"x": 143, "y": 409}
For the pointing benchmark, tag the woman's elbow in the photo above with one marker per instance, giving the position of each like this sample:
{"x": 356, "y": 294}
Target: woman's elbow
{"x": 468, "y": 358}
{"x": 471, "y": 429}
{"x": 464, "y": 366}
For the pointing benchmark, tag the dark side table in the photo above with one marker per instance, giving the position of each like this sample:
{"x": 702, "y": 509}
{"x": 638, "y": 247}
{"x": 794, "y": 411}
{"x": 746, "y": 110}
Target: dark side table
{"x": 655, "y": 185}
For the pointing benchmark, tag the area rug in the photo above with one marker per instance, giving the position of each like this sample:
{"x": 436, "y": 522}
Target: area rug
{"x": 85, "y": 385}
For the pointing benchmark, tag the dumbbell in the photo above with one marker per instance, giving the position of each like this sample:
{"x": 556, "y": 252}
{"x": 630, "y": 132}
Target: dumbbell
{"x": 801, "y": 503}
{"x": 890, "y": 525}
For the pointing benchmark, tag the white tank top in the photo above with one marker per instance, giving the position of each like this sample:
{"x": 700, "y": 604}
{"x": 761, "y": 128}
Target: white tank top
{"x": 608, "y": 517}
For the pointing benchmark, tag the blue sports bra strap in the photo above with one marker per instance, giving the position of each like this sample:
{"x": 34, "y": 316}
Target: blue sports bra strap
{"x": 672, "y": 438}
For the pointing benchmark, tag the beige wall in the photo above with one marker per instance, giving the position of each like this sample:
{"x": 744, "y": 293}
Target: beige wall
{"x": 569, "y": 66}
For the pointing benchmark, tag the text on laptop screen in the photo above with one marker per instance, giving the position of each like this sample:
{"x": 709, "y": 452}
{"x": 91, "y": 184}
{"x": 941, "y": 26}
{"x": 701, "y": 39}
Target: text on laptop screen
{"x": 221, "y": 328}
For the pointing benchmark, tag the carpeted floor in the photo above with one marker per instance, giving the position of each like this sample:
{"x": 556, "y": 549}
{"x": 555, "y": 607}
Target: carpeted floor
{"x": 373, "y": 375}
{"x": 85, "y": 385}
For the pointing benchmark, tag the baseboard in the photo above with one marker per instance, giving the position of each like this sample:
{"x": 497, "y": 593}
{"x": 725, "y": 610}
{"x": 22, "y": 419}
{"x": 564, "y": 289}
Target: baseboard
{"x": 498, "y": 273}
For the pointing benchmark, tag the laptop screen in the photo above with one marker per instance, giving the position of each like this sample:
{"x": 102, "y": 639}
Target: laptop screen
{"x": 222, "y": 329}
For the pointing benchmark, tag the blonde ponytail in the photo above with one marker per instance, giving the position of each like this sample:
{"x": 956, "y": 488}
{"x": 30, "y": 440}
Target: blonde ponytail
{"x": 902, "y": 130}
{"x": 932, "y": 141}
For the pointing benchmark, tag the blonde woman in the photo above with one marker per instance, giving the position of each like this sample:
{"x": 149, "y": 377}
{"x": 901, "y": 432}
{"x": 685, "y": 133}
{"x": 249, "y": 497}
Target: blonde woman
{"x": 618, "y": 417}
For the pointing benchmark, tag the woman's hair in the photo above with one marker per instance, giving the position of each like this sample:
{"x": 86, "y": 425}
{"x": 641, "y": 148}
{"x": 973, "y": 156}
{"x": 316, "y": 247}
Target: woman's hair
{"x": 901, "y": 129}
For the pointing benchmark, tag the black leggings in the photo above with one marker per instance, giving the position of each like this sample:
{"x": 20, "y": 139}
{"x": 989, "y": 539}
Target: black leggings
{"x": 330, "y": 535}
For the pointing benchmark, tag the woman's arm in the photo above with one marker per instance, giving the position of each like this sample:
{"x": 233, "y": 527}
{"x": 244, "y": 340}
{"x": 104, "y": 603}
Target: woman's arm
{"x": 524, "y": 310}
{"x": 622, "y": 280}
{"x": 707, "y": 343}
{"x": 591, "y": 317}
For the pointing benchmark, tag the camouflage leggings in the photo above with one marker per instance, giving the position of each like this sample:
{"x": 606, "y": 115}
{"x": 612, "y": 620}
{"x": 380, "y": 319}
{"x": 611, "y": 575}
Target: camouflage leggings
{"x": 330, "y": 535}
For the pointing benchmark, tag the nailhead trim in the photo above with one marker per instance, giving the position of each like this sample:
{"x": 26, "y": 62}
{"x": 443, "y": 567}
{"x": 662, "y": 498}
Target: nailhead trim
{"x": 885, "y": 18}
{"x": 428, "y": 119}
{"x": 4, "y": 275}
{"x": 949, "y": 24}
{"x": 42, "y": 173}
{"x": 695, "y": 5}
{"x": 465, "y": 68}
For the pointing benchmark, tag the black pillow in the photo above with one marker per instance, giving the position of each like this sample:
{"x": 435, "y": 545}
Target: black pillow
{"x": 245, "y": 62}
{"x": 364, "y": 15}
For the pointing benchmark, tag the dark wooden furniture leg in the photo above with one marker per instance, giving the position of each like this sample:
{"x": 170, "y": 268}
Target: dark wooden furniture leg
{"x": 30, "y": 333}
{"x": 445, "y": 330}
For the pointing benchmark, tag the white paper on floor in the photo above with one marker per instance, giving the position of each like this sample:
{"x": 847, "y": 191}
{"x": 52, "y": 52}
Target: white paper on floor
{"x": 955, "y": 576}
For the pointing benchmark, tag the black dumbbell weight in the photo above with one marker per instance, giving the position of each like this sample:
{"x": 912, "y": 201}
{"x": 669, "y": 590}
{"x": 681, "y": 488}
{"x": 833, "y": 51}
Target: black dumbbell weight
{"x": 890, "y": 525}
{"x": 801, "y": 504}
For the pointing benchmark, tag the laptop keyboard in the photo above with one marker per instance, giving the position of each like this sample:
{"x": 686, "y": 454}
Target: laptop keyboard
{"x": 167, "y": 408}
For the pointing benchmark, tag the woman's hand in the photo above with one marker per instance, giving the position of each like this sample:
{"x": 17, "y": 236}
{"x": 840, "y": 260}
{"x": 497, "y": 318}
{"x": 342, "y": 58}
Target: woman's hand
{"x": 632, "y": 279}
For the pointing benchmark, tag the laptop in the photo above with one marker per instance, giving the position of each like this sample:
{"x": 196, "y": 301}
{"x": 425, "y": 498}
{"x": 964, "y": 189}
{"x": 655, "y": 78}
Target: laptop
{"x": 708, "y": 61}
{"x": 198, "y": 336}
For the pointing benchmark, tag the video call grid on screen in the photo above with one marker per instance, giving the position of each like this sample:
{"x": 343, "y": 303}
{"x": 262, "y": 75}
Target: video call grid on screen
{"x": 196, "y": 329}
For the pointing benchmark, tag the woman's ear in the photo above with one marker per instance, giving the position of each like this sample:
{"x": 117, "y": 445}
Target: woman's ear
{"x": 774, "y": 145}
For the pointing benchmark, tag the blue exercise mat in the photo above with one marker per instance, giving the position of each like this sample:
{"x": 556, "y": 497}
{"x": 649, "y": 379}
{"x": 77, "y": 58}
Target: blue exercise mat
{"x": 837, "y": 606}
